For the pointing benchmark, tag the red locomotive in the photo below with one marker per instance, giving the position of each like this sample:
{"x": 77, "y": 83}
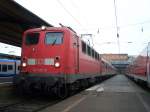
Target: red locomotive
{"x": 54, "y": 58}
{"x": 139, "y": 69}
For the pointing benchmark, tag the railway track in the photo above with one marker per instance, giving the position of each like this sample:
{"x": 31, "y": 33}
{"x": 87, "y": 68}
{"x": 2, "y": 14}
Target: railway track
{"x": 13, "y": 103}
{"x": 34, "y": 105}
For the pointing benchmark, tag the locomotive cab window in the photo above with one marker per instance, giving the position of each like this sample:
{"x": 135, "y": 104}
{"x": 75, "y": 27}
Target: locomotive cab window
{"x": 53, "y": 38}
{"x": 32, "y": 39}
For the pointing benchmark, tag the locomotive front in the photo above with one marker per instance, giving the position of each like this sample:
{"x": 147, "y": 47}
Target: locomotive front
{"x": 43, "y": 58}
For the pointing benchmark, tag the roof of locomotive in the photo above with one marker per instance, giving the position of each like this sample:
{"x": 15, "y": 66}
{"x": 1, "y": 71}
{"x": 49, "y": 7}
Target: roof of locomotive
{"x": 50, "y": 28}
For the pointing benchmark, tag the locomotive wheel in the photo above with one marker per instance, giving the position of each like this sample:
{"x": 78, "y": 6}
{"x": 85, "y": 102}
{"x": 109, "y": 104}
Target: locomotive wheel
{"x": 73, "y": 88}
{"x": 20, "y": 88}
{"x": 62, "y": 91}
{"x": 148, "y": 85}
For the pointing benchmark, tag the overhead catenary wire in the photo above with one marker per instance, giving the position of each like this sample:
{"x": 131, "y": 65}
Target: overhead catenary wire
{"x": 75, "y": 19}
{"x": 105, "y": 28}
{"x": 69, "y": 13}
{"x": 77, "y": 8}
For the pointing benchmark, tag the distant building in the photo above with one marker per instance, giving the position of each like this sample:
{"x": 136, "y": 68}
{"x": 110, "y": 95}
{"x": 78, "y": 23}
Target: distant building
{"x": 115, "y": 57}
{"x": 120, "y": 61}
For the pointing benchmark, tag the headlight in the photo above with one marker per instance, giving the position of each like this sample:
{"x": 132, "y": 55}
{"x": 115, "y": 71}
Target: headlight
{"x": 57, "y": 64}
{"x": 24, "y": 64}
{"x": 43, "y": 27}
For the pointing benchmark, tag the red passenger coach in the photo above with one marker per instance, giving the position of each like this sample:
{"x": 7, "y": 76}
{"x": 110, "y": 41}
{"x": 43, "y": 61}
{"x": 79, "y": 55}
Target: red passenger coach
{"x": 54, "y": 58}
{"x": 107, "y": 68}
{"x": 139, "y": 69}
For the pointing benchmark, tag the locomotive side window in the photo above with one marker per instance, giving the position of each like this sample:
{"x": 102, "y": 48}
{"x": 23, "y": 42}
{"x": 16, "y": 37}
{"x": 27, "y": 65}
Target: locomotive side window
{"x": 10, "y": 67}
{"x": 97, "y": 56}
{"x": 93, "y": 53}
{"x": 89, "y": 50}
{"x": 54, "y": 38}
{"x": 4, "y": 68}
{"x": 83, "y": 47}
{"x": 32, "y": 38}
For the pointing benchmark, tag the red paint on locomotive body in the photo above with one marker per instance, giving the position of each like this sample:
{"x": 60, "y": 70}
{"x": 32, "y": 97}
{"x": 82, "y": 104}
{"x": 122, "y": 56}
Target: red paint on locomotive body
{"x": 42, "y": 52}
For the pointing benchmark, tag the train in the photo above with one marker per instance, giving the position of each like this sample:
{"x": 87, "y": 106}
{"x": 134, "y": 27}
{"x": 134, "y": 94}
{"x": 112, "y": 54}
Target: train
{"x": 9, "y": 67}
{"x": 54, "y": 59}
{"x": 139, "y": 68}
{"x": 107, "y": 68}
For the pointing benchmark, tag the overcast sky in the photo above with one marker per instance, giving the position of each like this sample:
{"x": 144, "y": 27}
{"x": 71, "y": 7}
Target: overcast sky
{"x": 87, "y": 16}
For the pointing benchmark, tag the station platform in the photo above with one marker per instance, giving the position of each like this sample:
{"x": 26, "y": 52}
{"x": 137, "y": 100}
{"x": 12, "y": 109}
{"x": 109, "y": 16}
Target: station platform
{"x": 117, "y": 94}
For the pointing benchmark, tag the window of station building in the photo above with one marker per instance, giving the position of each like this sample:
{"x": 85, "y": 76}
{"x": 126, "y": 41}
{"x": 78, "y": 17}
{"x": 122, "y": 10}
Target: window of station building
{"x": 4, "y": 68}
{"x": 53, "y": 38}
{"x": 10, "y": 67}
{"x": 32, "y": 39}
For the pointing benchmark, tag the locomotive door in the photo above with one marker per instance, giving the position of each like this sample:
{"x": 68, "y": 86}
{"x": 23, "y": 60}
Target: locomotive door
{"x": 148, "y": 64}
{"x": 76, "y": 53}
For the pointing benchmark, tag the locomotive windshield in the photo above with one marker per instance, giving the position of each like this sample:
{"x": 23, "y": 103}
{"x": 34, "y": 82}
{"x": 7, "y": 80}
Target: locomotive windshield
{"x": 32, "y": 38}
{"x": 54, "y": 38}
